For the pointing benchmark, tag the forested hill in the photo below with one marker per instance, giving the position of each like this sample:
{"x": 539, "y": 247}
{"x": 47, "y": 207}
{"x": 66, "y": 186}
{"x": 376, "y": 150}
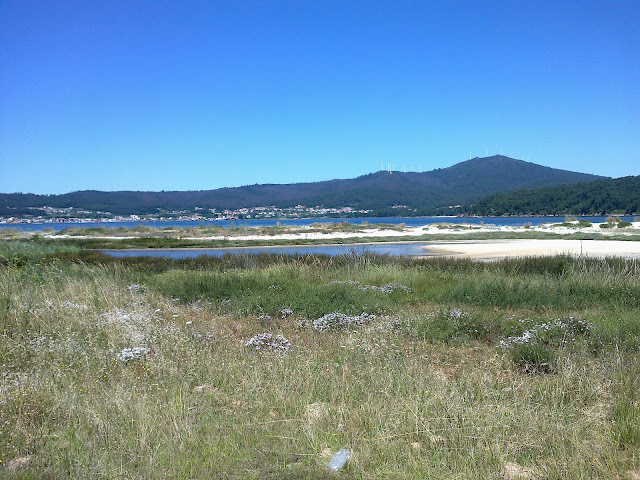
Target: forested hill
{"x": 426, "y": 192}
{"x": 611, "y": 196}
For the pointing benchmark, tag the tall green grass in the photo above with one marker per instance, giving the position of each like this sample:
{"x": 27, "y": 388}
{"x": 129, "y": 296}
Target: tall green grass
{"x": 421, "y": 391}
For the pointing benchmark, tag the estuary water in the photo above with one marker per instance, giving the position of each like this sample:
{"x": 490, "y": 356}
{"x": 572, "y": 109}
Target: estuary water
{"x": 393, "y": 249}
{"x": 408, "y": 221}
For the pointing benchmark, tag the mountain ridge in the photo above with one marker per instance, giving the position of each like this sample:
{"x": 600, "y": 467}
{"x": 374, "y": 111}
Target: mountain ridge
{"x": 428, "y": 191}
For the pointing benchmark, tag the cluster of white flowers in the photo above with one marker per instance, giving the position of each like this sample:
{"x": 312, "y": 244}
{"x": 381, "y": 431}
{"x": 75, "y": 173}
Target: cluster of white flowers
{"x": 133, "y": 323}
{"x": 77, "y": 348}
{"x": 134, "y": 353}
{"x": 456, "y": 313}
{"x": 269, "y": 342}
{"x": 386, "y": 289}
{"x": 66, "y": 305}
{"x": 73, "y": 306}
{"x": 285, "y": 312}
{"x": 337, "y": 321}
{"x": 392, "y": 287}
{"x": 206, "y": 337}
{"x": 559, "y": 330}
{"x": 134, "y": 288}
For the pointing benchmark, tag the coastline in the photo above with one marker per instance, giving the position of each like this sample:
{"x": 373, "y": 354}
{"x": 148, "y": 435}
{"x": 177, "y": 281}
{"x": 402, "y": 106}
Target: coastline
{"x": 312, "y": 233}
{"x": 499, "y": 249}
{"x": 472, "y": 249}
{"x": 484, "y": 242}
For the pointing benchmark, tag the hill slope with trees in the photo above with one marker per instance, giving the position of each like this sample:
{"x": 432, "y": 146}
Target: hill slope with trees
{"x": 602, "y": 197}
{"x": 424, "y": 193}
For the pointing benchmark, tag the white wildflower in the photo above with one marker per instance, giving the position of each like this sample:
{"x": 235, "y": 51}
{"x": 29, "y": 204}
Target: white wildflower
{"x": 134, "y": 353}
{"x": 269, "y": 342}
{"x": 386, "y": 289}
{"x": 337, "y": 321}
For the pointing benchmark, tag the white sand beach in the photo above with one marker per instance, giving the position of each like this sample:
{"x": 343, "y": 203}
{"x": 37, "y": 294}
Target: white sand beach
{"x": 496, "y": 249}
{"x": 476, "y": 249}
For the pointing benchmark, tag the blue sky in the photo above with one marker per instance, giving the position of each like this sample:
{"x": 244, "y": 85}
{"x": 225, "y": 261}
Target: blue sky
{"x": 190, "y": 95}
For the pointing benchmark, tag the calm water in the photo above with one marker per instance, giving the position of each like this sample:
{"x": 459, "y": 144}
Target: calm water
{"x": 395, "y": 249}
{"x": 408, "y": 221}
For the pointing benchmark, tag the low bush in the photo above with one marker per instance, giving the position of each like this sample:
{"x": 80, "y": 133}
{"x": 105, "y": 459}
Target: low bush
{"x": 533, "y": 358}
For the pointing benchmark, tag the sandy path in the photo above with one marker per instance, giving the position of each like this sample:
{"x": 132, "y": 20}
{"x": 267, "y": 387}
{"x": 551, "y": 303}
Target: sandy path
{"x": 494, "y": 249}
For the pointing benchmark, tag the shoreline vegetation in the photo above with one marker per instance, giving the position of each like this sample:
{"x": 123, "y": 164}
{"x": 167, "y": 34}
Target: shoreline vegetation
{"x": 445, "y": 237}
{"x": 264, "y": 366}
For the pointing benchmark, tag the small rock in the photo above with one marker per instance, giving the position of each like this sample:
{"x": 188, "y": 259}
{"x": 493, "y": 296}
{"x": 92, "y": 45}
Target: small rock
{"x": 326, "y": 453}
{"x": 18, "y": 462}
{"x": 315, "y": 412}
{"x": 205, "y": 389}
{"x": 513, "y": 471}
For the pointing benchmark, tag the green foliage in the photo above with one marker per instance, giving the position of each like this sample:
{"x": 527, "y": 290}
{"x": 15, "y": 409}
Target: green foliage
{"x": 533, "y": 358}
{"x": 595, "y": 198}
{"x": 495, "y": 290}
{"x": 449, "y": 325}
{"x": 270, "y": 291}
{"x": 574, "y": 224}
{"x": 425, "y": 380}
{"x": 626, "y": 409}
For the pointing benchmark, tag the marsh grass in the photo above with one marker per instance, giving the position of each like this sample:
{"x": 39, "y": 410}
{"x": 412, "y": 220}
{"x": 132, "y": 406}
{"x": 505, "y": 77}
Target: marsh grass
{"x": 219, "y": 231}
{"x": 421, "y": 390}
{"x": 228, "y": 240}
{"x": 573, "y": 223}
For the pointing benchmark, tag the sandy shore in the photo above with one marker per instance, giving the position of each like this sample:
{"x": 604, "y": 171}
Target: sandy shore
{"x": 476, "y": 249}
{"x": 424, "y": 231}
{"x": 496, "y": 249}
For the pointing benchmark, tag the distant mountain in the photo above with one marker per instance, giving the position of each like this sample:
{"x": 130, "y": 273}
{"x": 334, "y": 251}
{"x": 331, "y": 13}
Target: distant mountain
{"x": 427, "y": 192}
{"x": 602, "y": 197}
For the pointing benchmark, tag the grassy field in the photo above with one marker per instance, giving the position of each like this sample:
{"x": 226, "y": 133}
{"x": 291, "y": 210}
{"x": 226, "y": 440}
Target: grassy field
{"x": 262, "y": 367}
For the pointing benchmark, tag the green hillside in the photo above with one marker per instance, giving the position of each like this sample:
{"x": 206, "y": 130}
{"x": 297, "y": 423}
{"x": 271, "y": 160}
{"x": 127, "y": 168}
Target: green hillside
{"x": 426, "y": 192}
{"x": 602, "y": 197}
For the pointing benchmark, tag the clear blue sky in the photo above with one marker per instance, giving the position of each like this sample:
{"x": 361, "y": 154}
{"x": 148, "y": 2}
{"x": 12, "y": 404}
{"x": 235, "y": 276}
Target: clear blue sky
{"x": 186, "y": 95}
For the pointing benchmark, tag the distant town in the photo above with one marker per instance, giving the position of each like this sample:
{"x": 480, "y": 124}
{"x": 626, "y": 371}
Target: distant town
{"x": 77, "y": 215}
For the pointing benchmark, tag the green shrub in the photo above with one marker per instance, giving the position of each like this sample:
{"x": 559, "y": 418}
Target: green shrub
{"x": 533, "y": 358}
{"x": 448, "y": 326}
{"x": 267, "y": 292}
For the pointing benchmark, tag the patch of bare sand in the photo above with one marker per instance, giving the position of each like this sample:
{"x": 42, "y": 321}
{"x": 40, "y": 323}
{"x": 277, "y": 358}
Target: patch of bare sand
{"x": 496, "y": 249}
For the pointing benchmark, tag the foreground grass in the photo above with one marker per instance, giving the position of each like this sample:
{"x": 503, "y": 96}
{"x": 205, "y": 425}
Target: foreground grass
{"x": 418, "y": 388}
